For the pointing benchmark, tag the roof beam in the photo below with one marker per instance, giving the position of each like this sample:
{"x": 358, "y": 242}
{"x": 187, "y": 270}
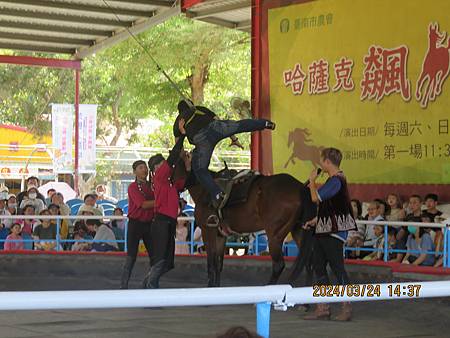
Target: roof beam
{"x": 219, "y": 9}
{"x": 125, "y": 34}
{"x": 79, "y": 7}
{"x": 39, "y": 61}
{"x": 220, "y": 22}
{"x": 40, "y": 38}
{"x": 31, "y": 48}
{"x": 244, "y": 25}
{"x": 158, "y": 3}
{"x": 54, "y": 29}
{"x": 16, "y": 13}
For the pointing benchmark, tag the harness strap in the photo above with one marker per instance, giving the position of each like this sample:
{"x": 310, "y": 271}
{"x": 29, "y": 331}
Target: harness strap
{"x": 196, "y": 112}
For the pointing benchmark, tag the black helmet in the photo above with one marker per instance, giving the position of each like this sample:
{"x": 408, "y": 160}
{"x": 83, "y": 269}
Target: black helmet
{"x": 154, "y": 160}
{"x": 186, "y": 107}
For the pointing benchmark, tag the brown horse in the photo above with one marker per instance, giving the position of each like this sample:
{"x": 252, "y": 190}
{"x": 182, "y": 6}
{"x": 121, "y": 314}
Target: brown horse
{"x": 274, "y": 204}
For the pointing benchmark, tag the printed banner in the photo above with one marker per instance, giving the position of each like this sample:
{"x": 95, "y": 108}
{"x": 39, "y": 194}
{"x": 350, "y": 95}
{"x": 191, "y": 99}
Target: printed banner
{"x": 87, "y": 129}
{"x": 62, "y": 129}
{"x": 369, "y": 77}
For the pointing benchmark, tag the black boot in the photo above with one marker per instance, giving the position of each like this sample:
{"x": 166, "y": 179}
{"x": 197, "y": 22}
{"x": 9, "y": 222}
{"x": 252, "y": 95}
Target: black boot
{"x": 151, "y": 281}
{"x": 126, "y": 272}
{"x": 270, "y": 125}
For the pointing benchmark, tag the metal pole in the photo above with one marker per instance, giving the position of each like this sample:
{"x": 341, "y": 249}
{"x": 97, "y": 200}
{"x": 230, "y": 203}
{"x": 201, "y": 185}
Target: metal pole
{"x": 125, "y": 246}
{"x": 263, "y": 319}
{"x": 256, "y": 81}
{"x": 58, "y": 222}
{"x": 446, "y": 256}
{"x": 77, "y": 132}
{"x": 386, "y": 242}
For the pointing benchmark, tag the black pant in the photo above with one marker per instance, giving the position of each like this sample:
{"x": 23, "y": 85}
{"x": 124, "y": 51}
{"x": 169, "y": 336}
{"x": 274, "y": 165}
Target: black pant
{"x": 163, "y": 240}
{"x": 138, "y": 230}
{"x": 328, "y": 250}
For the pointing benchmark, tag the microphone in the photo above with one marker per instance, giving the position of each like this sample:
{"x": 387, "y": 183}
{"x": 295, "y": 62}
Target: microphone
{"x": 319, "y": 170}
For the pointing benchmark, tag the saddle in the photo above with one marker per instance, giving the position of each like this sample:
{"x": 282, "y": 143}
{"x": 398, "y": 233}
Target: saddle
{"x": 236, "y": 186}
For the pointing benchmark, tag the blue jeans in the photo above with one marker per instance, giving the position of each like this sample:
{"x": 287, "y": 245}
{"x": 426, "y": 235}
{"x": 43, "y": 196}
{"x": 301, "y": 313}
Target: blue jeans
{"x": 205, "y": 141}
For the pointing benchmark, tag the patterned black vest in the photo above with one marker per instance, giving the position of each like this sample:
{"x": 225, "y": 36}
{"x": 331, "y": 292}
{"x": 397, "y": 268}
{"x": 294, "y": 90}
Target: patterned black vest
{"x": 335, "y": 214}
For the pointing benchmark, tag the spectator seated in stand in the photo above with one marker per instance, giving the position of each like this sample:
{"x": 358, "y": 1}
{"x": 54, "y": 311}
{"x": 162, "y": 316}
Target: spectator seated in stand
{"x": 4, "y": 222}
{"x": 31, "y": 198}
{"x": 31, "y": 182}
{"x": 415, "y": 215}
{"x": 182, "y": 231}
{"x": 90, "y": 200}
{"x": 45, "y": 231}
{"x": 50, "y": 193}
{"x": 379, "y": 245}
{"x": 80, "y": 245}
{"x": 27, "y": 227}
{"x": 366, "y": 237}
{"x": 102, "y": 233}
{"x": 58, "y": 199}
{"x": 12, "y": 204}
{"x": 396, "y": 212}
{"x": 63, "y": 224}
{"x": 419, "y": 239}
{"x": 14, "y": 241}
{"x": 118, "y": 227}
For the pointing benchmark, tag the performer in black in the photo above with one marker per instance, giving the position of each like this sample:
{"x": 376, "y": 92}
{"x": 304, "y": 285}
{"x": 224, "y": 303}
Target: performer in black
{"x": 331, "y": 226}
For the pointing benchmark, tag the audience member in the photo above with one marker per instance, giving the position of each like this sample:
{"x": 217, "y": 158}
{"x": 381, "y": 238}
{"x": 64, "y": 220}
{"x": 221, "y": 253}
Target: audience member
{"x": 46, "y": 230}
{"x": 100, "y": 191}
{"x": 28, "y": 226}
{"x": 182, "y": 231}
{"x": 4, "y": 222}
{"x": 384, "y": 207}
{"x": 90, "y": 200}
{"x": 63, "y": 224}
{"x": 58, "y": 199}
{"x": 102, "y": 233}
{"x": 30, "y": 182}
{"x": 14, "y": 241}
{"x": 415, "y": 215}
{"x": 79, "y": 245}
{"x": 379, "y": 245}
{"x": 431, "y": 202}
{"x": 12, "y": 204}
{"x": 31, "y": 198}
{"x": 396, "y": 212}
{"x": 118, "y": 227}
{"x": 419, "y": 239}
{"x": 50, "y": 193}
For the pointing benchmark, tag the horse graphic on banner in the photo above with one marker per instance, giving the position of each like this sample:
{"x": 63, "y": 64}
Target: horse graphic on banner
{"x": 435, "y": 67}
{"x": 302, "y": 150}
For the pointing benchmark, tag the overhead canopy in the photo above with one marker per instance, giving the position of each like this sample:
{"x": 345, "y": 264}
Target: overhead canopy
{"x": 229, "y": 13}
{"x": 77, "y": 27}
{"x": 83, "y": 27}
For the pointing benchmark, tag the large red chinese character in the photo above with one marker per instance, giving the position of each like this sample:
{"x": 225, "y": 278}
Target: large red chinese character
{"x": 343, "y": 72}
{"x": 295, "y": 78}
{"x": 318, "y": 77}
{"x": 385, "y": 73}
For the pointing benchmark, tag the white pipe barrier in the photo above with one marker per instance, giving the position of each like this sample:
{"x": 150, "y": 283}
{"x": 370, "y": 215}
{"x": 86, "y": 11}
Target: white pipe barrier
{"x": 52, "y": 300}
{"x": 281, "y": 296}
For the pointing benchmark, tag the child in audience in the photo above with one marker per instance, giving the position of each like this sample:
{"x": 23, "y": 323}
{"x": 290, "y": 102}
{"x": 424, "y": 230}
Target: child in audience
{"x": 379, "y": 232}
{"x": 14, "y": 236}
{"x": 431, "y": 202}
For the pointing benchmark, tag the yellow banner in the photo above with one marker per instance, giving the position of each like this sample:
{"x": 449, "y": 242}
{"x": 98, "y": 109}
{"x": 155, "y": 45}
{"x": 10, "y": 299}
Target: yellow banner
{"x": 369, "y": 77}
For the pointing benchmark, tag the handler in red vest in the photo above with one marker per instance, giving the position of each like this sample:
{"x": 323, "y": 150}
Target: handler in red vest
{"x": 166, "y": 211}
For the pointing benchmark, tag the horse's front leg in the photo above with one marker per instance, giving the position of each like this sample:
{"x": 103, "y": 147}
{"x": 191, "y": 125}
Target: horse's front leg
{"x": 210, "y": 238}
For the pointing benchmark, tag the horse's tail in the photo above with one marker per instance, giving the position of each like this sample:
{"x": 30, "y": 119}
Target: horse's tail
{"x": 307, "y": 211}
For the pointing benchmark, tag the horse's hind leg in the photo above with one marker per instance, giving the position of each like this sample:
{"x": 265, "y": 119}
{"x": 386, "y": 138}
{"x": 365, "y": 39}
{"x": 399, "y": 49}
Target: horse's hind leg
{"x": 275, "y": 248}
{"x": 304, "y": 241}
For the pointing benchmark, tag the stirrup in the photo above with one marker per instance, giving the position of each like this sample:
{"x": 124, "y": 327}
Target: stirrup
{"x": 212, "y": 221}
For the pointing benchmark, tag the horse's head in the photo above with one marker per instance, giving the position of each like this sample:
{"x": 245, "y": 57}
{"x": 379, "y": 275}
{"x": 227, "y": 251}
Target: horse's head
{"x": 434, "y": 35}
